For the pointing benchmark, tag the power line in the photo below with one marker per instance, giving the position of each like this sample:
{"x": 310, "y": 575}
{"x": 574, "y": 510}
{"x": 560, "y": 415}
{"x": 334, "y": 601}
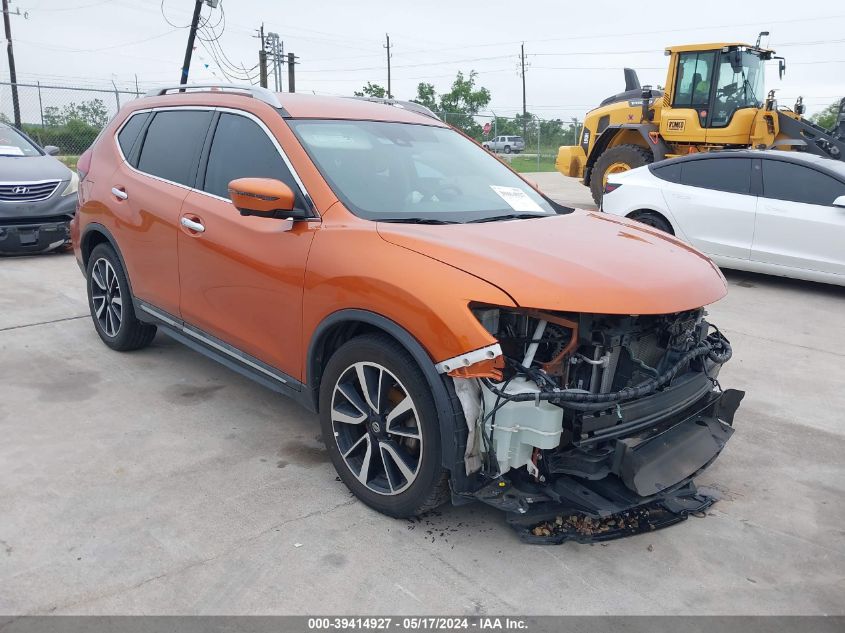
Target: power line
{"x": 76, "y": 8}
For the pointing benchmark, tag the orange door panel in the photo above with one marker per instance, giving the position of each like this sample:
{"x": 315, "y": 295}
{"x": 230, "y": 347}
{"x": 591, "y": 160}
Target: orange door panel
{"x": 242, "y": 278}
{"x": 147, "y": 201}
{"x": 146, "y": 215}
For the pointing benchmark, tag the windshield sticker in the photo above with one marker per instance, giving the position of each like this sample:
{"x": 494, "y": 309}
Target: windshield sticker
{"x": 10, "y": 150}
{"x": 516, "y": 198}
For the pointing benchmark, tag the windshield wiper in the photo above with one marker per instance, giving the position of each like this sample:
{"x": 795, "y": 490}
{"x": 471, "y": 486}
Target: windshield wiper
{"x": 511, "y": 216}
{"x": 416, "y": 221}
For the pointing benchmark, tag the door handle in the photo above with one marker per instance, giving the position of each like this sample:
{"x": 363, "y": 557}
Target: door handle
{"x": 193, "y": 226}
{"x": 119, "y": 193}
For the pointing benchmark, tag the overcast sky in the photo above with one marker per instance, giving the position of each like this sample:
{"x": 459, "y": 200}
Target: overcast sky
{"x": 575, "y": 51}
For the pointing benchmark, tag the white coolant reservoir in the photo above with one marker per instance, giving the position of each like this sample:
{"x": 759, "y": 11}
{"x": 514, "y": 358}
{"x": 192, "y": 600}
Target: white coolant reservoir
{"x": 519, "y": 427}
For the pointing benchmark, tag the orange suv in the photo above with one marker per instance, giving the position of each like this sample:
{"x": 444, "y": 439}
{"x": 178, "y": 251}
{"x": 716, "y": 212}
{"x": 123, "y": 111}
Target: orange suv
{"x": 456, "y": 330}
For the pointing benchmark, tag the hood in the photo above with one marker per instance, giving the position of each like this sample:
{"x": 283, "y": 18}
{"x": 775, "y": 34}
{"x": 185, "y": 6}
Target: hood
{"x": 26, "y": 168}
{"x": 578, "y": 262}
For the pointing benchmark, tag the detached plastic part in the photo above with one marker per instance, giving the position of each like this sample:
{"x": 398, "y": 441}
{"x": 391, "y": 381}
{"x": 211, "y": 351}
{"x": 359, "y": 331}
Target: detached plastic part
{"x": 558, "y": 525}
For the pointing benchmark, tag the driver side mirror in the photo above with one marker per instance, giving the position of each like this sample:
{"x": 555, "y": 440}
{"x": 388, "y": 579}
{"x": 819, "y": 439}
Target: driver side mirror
{"x": 51, "y": 150}
{"x": 265, "y": 198}
{"x": 839, "y": 202}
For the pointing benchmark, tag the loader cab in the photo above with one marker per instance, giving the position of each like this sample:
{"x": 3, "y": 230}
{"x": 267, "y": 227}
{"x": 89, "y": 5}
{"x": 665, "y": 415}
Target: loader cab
{"x": 713, "y": 93}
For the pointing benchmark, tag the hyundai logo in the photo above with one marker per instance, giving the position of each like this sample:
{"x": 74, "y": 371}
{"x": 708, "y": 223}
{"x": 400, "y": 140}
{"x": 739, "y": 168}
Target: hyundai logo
{"x": 20, "y": 190}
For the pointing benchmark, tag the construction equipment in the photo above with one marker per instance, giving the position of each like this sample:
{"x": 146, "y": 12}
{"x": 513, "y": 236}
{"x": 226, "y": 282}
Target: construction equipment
{"x": 713, "y": 100}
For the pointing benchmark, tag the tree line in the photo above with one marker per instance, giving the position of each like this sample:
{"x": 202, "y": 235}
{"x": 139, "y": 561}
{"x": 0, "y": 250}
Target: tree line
{"x": 461, "y": 104}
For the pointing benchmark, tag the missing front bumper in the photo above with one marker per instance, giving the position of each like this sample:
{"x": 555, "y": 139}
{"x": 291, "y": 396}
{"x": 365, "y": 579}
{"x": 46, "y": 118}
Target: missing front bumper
{"x": 647, "y": 484}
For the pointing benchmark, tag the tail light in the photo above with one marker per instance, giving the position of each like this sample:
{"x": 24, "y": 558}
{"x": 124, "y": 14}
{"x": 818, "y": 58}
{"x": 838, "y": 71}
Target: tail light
{"x": 611, "y": 186}
{"x": 83, "y": 165}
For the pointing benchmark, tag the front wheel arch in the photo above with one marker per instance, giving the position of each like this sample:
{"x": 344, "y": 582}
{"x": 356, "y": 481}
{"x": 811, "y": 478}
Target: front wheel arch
{"x": 340, "y": 326}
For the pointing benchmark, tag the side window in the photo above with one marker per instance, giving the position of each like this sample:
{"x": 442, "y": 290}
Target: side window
{"x": 692, "y": 85}
{"x": 796, "y": 183}
{"x": 129, "y": 133}
{"x": 732, "y": 175}
{"x": 670, "y": 172}
{"x": 241, "y": 149}
{"x": 172, "y": 144}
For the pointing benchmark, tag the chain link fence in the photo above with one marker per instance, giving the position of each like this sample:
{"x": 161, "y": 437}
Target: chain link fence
{"x": 69, "y": 117}
{"x": 541, "y": 137}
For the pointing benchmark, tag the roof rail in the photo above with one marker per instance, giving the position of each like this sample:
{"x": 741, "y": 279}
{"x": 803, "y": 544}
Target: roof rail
{"x": 262, "y": 94}
{"x": 407, "y": 105}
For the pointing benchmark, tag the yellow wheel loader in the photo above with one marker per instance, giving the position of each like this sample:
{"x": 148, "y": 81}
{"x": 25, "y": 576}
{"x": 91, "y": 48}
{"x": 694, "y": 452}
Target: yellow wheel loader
{"x": 714, "y": 99}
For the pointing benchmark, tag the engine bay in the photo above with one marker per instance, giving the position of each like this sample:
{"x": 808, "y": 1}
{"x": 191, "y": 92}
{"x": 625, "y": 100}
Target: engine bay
{"x": 627, "y": 401}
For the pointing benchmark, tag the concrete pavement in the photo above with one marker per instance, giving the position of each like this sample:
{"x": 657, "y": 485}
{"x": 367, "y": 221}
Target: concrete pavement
{"x": 158, "y": 482}
{"x": 562, "y": 189}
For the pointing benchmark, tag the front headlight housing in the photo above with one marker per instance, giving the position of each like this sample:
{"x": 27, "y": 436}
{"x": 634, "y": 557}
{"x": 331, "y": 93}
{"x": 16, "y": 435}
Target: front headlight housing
{"x": 73, "y": 185}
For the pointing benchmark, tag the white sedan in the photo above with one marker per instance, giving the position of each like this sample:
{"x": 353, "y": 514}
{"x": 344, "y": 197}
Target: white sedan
{"x": 775, "y": 212}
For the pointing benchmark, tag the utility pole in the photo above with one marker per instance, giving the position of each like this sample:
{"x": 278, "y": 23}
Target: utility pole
{"x": 387, "y": 46}
{"x": 262, "y": 59}
{"x": 13, "y": 75}
{"x": 524, "y": 111}
{"x": 276, "y": 51}
{"x": 186, "y": 65}
{"x": 291, "y": 79}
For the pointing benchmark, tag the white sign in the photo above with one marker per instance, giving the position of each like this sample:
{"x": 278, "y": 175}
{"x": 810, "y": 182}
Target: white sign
{"x": 517, "y": 199}
{"x": 10, "y": 150}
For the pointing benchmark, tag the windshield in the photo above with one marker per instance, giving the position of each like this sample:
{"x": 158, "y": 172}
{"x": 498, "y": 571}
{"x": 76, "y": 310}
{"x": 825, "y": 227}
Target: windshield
{"x": 407, "y": 172}
{"x": 13, "y": 143}
{"x": 740, "y": 85}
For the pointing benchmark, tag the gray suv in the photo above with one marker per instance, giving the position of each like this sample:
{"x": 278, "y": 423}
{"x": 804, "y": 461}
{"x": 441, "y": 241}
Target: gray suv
{"x": 506, "y": 144}
{"x": 37, "y": 195}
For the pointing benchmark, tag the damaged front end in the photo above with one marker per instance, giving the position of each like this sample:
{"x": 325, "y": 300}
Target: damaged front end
{"x": 588, "y": 427}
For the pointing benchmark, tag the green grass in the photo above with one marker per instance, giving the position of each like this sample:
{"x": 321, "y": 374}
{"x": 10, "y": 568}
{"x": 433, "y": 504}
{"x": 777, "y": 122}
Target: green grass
{"x": 529, "y": 163}
{"x": 69, "y": 161}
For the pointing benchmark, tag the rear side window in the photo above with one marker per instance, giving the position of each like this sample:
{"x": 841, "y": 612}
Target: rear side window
{"x": 241, "y": 149}
{"x": 796, "y": 183}
{"x": 732, "y": 175}
{"x": 671, "y": 172}
{"x": 172, "y": 145}
{"x": 129, "y": 134}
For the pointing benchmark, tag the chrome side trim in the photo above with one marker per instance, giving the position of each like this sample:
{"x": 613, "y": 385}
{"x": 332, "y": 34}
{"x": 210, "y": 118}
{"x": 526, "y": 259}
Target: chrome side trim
{"x": 193, "y": 332}
{"x": 470, "y": 358}
{"x": 231, "y": 352}
{"x": 160, "y": 316}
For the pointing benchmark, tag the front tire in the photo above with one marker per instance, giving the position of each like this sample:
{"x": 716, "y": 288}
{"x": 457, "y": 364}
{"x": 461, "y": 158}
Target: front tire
{"x": 381, "y": 428}
{"x": 616, "y": 160}
{"x": 110, "y": 302}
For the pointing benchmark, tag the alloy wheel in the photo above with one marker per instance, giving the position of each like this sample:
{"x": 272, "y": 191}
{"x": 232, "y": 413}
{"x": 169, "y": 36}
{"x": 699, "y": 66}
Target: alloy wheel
{"x": 377, "y": 428}
{"x": 106, "y": 297}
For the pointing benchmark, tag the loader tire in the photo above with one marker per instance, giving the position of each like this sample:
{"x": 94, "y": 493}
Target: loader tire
{"x": 615, "y": 160}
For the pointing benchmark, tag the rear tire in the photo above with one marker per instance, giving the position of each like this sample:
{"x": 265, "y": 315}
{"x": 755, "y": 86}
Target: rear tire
{"x": 653, "y": 219}
{"x": 507, "y": 149}
{"x": 391, "y": 461}
{"x": 629, "y": 156}
{"x": 110, "y": 302}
